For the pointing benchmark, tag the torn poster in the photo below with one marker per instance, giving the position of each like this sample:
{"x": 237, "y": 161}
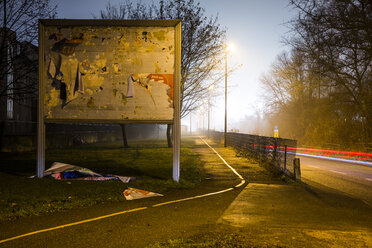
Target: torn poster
{"x": 132, "y": 194}
{"x": 108, "y": 73}
{"x": 61, "y": 171}
{"x": 144, "y": 79}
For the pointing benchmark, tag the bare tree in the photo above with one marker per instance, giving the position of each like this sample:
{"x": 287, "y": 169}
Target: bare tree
{"x": 18, "y": 60}
{"x": 18, "y": 51}
{"x": 336, "y": 36}
{"x": 202, "y": 43}
{"x": 321, "y": 92}
{"x": 18, "y": 37}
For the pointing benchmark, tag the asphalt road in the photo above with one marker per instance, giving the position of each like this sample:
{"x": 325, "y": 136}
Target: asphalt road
{"x": 350, "y": 178}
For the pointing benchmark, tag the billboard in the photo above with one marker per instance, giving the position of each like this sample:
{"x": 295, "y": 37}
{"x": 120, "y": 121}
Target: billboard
{"x": 108, "y": 71}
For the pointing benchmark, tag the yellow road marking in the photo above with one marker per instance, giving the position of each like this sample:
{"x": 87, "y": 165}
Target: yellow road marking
{"x": 71, "y": 224}
{"x": 213, "y": 193}
{"x": 231, "y": 168}
{"x": 240, "y": 184}
{"x": 193, "y": 197}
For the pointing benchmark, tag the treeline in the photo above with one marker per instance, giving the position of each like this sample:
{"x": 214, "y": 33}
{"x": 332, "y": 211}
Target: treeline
{"x": 320, "y": 92}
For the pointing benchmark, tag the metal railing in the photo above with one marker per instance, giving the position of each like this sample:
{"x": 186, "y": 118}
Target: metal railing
{"x": 280, "y": 153}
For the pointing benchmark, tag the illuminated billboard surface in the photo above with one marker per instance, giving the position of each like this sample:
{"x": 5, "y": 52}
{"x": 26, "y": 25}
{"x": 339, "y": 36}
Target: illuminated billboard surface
{"x": 108, "y": 73}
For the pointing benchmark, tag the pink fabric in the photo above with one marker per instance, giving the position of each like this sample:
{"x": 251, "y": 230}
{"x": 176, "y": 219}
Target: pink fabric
{"x": 57, "y": 176}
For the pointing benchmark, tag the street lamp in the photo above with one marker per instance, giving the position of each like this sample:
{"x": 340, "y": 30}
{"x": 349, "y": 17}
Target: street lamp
{"x": 210, "y": 88}
{"x": 228, "y": 47}
{"x": 190, "y": 123}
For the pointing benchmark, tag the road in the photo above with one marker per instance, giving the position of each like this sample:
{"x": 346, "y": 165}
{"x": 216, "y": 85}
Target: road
{"x": 350, "y": 178}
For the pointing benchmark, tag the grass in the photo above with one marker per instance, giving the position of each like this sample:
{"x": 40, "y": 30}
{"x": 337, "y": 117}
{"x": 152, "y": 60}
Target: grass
{"x": 226, "y": 240}
{"x": 149, "y": 162}
{"x": 227, "y": 237}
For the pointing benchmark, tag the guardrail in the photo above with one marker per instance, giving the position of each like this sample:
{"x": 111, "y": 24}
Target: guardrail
{"x": 280, "y": 153}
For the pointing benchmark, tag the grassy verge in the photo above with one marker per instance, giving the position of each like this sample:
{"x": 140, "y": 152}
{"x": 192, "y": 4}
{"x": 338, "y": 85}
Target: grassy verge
{"x": 149, "y": 162}
{"x": 206, "y": 241}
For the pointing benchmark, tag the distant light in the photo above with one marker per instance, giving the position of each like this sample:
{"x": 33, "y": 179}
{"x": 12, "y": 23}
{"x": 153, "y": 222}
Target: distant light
{"x": 230, "y": 47}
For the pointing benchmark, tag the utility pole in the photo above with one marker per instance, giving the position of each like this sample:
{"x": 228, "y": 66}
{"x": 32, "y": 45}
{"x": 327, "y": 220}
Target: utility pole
{"x": 209, "y": 111}
{"x": 225, "y": 133}
{"x": 190, "y": 123}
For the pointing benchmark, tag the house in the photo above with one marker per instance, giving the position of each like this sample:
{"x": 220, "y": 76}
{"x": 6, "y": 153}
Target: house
{"x": 18, "y": 85}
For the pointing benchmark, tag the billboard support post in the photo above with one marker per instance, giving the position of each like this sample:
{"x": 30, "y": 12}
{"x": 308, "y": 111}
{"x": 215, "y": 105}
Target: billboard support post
{"x": 40, "y": 115}
{"x": 177, "y": 107}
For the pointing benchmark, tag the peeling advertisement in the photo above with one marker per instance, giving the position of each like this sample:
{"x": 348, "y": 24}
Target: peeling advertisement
{"x": 108, "y": 73}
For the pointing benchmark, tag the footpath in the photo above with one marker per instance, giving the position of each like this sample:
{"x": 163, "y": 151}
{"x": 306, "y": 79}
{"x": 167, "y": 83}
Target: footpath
{"x": 272, "y": 211}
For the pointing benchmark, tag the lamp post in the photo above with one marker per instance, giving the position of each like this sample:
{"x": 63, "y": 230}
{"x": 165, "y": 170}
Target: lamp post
{"x": 225, "y": 133}
{"x": 210, "y": 88}
{"x": 190, "y": 124}
{"x": 228, "y": 48}
{"x": 209, "y": 112}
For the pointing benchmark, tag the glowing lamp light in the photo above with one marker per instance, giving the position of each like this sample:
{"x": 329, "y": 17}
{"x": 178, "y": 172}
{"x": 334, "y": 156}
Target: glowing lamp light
{"x": 230, "y": 47}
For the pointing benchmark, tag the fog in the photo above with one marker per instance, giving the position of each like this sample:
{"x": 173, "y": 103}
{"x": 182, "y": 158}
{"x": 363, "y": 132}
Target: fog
{"x": 251, "y": 124}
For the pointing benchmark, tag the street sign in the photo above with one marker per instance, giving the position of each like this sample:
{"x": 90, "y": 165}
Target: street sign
{"x": 276, "y": 132}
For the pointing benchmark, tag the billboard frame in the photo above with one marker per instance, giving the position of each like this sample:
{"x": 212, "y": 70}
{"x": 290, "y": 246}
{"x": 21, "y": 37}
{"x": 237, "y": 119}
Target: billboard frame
{"x": 65, "y": 23}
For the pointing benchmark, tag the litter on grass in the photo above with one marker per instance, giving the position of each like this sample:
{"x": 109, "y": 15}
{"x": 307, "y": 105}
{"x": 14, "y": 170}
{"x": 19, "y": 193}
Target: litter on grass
{"x": 61, "y": 171}
{"x": 132, "y": 194}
